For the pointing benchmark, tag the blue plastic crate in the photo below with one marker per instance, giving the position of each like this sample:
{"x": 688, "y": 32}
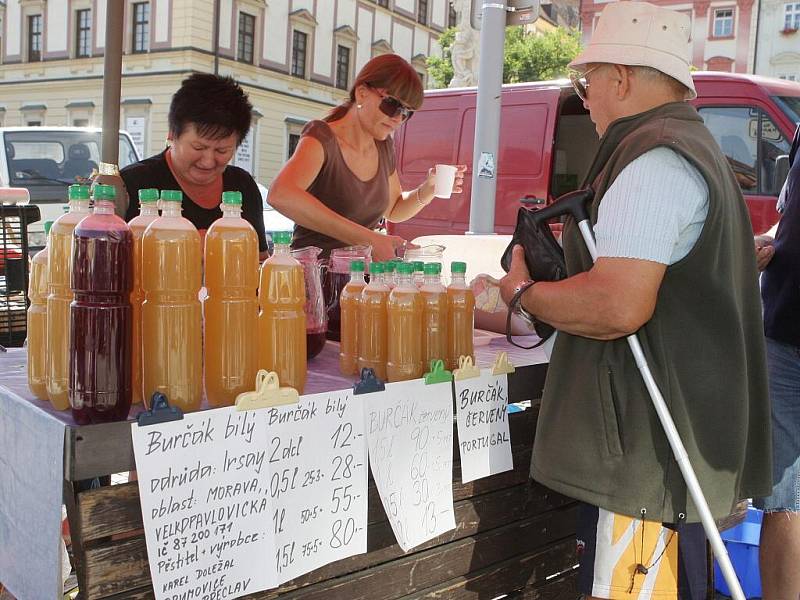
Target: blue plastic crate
{"x": 742, "y": 544}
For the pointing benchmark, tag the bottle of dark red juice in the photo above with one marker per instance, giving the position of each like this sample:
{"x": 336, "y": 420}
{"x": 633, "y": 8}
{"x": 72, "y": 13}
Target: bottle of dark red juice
{"x": 100, "y": 314}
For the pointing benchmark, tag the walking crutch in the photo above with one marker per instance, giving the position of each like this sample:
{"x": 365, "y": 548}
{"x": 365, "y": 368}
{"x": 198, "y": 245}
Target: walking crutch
{"x": 575, "y": 204}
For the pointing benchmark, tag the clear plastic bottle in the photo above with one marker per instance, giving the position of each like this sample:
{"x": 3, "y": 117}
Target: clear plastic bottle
{"x": 404, "y": 316}
{"x": 172, "y": 361}
{"x": 230, "y": 310}
{"x": 37, "y": 321}
{"x": 349, "y": 302}
{"x": 148, "y": 212}
{"x": 59, "y": 273}
{"x": 282, "y": 319}
{"x": 100, "y": 314}
{"x": 373, "y": 325}
{"x": 434, "y": 315}
{"x": 461, "y": 315}
{"x": 418, "y": 276}
{"x": 390, "y": 273}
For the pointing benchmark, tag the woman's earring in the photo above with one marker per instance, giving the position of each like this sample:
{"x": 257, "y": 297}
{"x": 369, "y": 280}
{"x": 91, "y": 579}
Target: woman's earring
{"x": 358, "y": 106}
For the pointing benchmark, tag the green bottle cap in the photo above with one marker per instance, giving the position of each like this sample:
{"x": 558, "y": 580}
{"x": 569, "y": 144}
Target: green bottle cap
{"x": 232, "y": 198}
{"x": 432, "y": 269}
{"x": 78, "y": 192}
{"x": 357, "y": 265}
{"x": 405, "y": 268}
{"x": 376, "y": 268}
{"x": 47, "y": 226}
{"x": 282, "y": 237}
{"x": 458, "y": 267}
{"x": 104, "y": 192}
{"x": 418, "y": 265}
{"x": 148, "y": 195}
{"x": 171, "y": 196}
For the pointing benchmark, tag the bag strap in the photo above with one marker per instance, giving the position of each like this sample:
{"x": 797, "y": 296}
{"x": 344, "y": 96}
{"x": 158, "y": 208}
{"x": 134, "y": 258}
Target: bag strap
{"x": 512, "y": 306}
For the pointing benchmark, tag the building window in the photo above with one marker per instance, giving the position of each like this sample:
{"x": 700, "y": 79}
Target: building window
{"x": 342, "y": 67}
{"x": 383, "y": 3}
{"x": 80, "y": 122}
{"x": 452, "y": 17}
{"x": 83, "y": 33}
{"x": 34, "y": 123}
{"x": 792, "y": 16}
{"x": 294, "y": 139}
{"x": 247, "y": 35}
{"x": 34, "y": 37}
{"x": 723, "y": 22}
{"x": 422, "y": 11}
{"x": 141, "y": 26}
{"x": 299, "y": 50}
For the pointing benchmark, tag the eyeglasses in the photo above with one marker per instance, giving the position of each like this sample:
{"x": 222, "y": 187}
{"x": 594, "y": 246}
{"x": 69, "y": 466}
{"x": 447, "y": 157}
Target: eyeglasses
{"x": 580, "y": 84}
{"x": 391, "y": 106}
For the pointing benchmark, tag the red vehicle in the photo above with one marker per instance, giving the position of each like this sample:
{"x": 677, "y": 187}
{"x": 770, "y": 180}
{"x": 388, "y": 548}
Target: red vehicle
{"x": 547, "y": 142}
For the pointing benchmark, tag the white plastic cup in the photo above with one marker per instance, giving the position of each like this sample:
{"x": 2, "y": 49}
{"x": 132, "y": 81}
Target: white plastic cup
{"x": 443, "y": 181}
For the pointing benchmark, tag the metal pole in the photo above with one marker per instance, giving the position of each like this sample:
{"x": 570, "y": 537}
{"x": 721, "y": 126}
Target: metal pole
{"x": 216, "y": 36}
{"x": 112, "y": 81}
{"x": 487, "y": 117}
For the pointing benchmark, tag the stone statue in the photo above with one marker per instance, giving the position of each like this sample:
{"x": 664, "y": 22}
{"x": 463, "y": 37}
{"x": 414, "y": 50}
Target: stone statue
{"x": 465, "y": 51}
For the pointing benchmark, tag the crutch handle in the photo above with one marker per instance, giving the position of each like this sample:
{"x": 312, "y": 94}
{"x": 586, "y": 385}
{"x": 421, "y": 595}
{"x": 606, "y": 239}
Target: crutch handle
{"x": 573, "y": 203}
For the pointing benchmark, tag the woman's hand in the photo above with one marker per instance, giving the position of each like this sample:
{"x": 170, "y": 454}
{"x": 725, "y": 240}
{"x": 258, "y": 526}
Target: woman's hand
{"x": 764, "y": 251}
{"x": 428, "y": 186}
{"x": 384, "y": 247}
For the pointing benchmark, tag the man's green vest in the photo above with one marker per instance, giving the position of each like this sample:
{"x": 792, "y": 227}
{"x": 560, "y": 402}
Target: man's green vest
{"x": 598, "y": 438}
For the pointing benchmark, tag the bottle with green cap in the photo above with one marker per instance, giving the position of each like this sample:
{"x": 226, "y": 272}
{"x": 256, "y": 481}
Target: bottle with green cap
{"x": 390, "y": 273}
{"x": 434, "y": 315}
{"x": 230, "y": 347}
{"x": 373, "y": 328}
{"x": 282, "y": 320}
{"x": 349, "y": 302}
{"x": 461, "y": 315}
{"x": 102, "y": 281}
{"x": 404, "y": 316}
{"x": 172, "y": 360}
{"x": 148, "y": 212}
{"x": 59, "y": 295}
{"x": 419, "y": 272}
{"x": 37, "y": 321}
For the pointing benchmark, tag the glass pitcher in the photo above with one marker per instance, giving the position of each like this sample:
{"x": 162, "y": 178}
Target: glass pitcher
{"x": 315, "y": 309}
{"x": 337, "y": 277}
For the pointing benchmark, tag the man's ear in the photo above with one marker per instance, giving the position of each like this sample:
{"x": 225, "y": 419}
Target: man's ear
{"x": 622, "y": 74}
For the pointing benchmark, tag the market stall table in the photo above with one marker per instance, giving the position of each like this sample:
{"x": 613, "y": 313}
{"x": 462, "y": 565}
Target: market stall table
{"x": 511, "y": 534}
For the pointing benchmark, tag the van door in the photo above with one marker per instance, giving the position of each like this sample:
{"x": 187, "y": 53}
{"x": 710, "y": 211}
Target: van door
{"x": 751, "y": 140}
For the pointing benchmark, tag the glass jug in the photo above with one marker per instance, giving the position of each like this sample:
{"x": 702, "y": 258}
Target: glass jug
{"x": 337, "y": 277}
{"x": 315, "y": 309}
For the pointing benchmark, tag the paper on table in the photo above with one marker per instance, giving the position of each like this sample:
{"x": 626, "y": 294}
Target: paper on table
{"x": 484, "y": 442}
{"x": 410, "y": 436}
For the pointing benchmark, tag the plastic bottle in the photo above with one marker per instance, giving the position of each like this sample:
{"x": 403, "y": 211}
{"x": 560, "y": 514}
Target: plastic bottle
{"x": 171, "y": 314}
{"x": 390, "y": 273}
{"x": 148, "y": 212}
{"x": 434, "y": 315}
{"x": 100, "y": 315}
{"x": 37, "y": 321}
{"x": 373, "y": 325}
{"x": 349, "y": 302}
{"x": 461, "y": 315}
{"x": 418, "y": 276}
{"x": 230, "y": 310}
{"x": 404, "y": 315}
{"x": 59, "y": 272}
{"x": 282, "y": 319}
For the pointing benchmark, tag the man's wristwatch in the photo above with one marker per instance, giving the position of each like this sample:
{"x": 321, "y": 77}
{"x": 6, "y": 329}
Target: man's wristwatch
{"x": 516, "y": 300}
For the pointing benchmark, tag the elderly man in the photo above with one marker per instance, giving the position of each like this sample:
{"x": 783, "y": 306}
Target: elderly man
{"x": 676, "y": 265}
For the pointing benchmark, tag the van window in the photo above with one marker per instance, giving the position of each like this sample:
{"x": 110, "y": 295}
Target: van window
{"x": 789, "y": 105}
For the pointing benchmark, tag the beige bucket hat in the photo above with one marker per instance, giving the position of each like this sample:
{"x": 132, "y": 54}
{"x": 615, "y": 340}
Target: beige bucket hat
{"x": 642, "y": 34}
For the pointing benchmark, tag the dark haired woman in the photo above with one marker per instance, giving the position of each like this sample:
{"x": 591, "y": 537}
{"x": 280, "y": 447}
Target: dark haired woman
{"x": 341, "y": 180}
{"x": 209, "y": 116}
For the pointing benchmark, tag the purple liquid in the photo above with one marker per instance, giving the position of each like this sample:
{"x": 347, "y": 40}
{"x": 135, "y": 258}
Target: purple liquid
{"x": 100, "y": 321}
{"x": 315, "y": 342}
{"x": 332, "y": 286}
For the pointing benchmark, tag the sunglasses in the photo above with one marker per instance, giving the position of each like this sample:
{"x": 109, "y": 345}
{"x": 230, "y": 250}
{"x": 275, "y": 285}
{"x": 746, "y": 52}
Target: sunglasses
{"x": 392, "y": 107}
{"x": 580, "y": 84}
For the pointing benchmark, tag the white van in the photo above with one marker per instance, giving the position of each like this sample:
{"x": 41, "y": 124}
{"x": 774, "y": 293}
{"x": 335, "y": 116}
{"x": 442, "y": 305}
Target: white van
{"x": 46, "y": 160}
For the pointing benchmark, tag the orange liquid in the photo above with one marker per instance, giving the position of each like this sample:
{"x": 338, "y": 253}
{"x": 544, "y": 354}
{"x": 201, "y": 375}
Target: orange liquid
{"x": 404, "y": 314}
{"x": 349, "y": 301}
{"x": 282, "y": 321}
{"x": 138, "y": 226}
{"x": 434, "y": 324}
{"x": 37, "y": 326}
{"x": 171, "y": 316}
{"x": 373, "y": 330}
{"x": 230, "y": 310}
{"x": 460, "y": 324}
{"x": 59, "y": 270}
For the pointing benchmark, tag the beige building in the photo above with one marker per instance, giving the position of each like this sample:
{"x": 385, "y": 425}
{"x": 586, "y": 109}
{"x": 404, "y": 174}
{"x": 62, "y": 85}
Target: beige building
{"x": 778, "y": 45}
{"x": 295, "y": 58}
